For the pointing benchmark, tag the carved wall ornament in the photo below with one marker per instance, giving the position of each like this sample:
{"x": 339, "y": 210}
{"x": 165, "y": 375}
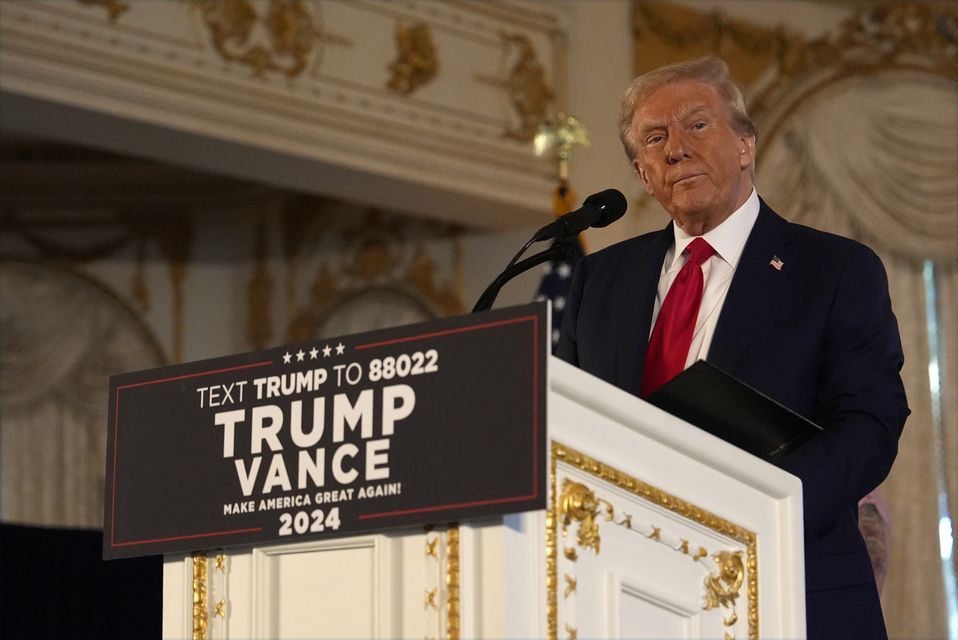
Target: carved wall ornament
{"x": 116, "y": 8}
{"x": 372, "y": 270}
{"x": 726, "y": 570}
{"x": 913, "y": 35}
{"x": 291, "y": 33}
{"x": 417, "y": 60}
{"x": 723, "y": 588}
{"x": 578, "y": 503}
{"x": 530, "y": 93}
{"x": 53, "y": 234}
{"x": 430, "y": 600}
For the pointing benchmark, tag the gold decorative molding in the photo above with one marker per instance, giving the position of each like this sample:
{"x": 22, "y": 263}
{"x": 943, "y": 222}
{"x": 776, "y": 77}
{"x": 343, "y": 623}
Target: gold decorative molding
{"x": 417, "y": 61}
{"x": 453, "y": 580}
{"x": 552, "y": 561}
{"x": 116, "y": 8}
{"x": 290, "y": 24}
{"x": 579, "y": 503}
{"x": 442, "y": 585}
{"x": 527, "y": 85}
{"x": 200, "y": 606}
{"x": 725, "y": 587}
{"x": 877, "y": 38}
{"x": 665, "y": 32}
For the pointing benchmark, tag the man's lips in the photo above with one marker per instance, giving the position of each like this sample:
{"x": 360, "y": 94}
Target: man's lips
{"x": 685, "y": 178}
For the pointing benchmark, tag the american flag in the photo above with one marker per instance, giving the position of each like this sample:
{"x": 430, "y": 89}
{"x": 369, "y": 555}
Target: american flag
{"x": 558, "y": 273}
{"x": 776, "y": 263}
{"x": 555, "y": 287}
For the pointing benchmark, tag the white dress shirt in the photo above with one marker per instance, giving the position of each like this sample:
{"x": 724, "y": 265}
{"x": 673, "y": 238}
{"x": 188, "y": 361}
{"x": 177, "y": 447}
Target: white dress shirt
{"x": 728, "y": 240}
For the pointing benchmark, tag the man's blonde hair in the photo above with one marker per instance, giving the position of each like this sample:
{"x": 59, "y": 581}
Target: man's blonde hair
{"x": 709, "y": 70}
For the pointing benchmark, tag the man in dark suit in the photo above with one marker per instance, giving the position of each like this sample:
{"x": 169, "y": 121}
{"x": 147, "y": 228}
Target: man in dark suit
{"x": 799, "y": 314}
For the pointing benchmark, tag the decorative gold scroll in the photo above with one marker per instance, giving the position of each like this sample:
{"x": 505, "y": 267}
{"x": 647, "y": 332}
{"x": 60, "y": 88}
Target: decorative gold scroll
{"x": 527, "y": 84}
{"x": 292, "y": 29}
{"x": 417, "y": 61}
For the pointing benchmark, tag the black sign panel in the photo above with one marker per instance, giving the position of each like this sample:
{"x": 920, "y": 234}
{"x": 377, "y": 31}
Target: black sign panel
{"x": 426, "y": 423}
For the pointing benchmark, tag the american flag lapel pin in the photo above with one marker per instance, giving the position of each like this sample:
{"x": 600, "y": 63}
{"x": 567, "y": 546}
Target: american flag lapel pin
{"x": 776, "y": 263}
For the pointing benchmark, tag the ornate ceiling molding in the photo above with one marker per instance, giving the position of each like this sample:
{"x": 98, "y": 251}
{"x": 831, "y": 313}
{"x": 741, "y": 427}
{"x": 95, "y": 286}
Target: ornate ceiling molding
{"x": 908, "y": 35}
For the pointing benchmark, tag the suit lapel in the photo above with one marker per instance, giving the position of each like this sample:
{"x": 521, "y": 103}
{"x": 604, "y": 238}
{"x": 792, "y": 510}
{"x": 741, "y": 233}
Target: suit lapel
{"x": 640, "y": 281}
{"x": 754, "y": 287}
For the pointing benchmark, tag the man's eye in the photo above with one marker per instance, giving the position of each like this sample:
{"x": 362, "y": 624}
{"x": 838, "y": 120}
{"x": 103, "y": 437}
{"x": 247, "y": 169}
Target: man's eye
{"x": 654, "y": 139}
{"x": 698, "y": 125}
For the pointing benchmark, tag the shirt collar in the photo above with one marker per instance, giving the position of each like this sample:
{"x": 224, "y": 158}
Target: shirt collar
{"x": 728, "y": 239}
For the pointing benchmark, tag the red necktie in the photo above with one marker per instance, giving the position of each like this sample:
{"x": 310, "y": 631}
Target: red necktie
{"x": 672, "y": 335}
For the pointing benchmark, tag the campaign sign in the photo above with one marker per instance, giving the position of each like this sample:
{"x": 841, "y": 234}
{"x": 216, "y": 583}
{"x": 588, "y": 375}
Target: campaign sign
{"x": 427, "y": 423}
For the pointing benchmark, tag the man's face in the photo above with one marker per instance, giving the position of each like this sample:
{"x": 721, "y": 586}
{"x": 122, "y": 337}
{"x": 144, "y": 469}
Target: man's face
{"x": 689, "y": 157}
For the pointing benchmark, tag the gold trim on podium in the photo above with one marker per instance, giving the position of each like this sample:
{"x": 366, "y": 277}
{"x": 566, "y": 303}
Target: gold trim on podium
{"x": 200, "y": 606}
{"x": 578, "y": 503}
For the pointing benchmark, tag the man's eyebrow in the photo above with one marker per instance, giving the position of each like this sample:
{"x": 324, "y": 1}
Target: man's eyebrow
{"x": 683, "y": 114}
{"x": 692, "y": 111}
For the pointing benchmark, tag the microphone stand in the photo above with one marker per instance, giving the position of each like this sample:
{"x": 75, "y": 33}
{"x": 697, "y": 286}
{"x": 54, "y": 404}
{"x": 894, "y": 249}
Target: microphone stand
{"x": 562, "y": 248}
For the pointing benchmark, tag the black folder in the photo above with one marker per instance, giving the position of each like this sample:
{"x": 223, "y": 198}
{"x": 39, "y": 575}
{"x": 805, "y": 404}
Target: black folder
{"x": 726, "y": 407}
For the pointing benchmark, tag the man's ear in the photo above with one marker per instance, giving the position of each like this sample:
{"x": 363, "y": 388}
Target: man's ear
{"x": 643, "y": 176}
{"x": 747, "y": 157}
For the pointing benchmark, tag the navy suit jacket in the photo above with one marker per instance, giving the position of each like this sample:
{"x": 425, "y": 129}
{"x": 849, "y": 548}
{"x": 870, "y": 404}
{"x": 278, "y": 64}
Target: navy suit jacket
{"x": 820, "y": 337}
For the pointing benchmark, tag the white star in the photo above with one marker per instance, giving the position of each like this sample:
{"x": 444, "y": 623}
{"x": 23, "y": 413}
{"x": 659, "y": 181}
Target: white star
{"x": 547, "y": 269}
{"x": 300, "y": 355}
{"x": 313, "y": 353}
{"x": 327, "y": 351}
{"x": 564, "y": 270}
{"x": 555, "y": 336}
{"x": 340, "y": 349}
{"x": 540, "y": 297}
{"x": 559, "y": 303}
{"x": 287, "y": 357}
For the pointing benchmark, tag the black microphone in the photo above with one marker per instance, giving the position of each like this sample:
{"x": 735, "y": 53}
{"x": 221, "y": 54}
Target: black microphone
{"x": 598, "y": 210}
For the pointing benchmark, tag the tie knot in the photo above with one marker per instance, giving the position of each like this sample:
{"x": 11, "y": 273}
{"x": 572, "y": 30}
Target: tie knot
{"x": 699, "y": 251}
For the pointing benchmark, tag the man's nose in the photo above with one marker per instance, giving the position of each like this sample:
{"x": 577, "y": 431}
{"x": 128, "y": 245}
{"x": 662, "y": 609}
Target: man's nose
{"x": 676, "y": 147}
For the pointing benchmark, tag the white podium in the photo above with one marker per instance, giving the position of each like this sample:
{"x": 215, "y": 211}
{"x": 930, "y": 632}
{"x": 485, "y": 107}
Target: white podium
{"x": 654, "y": 529}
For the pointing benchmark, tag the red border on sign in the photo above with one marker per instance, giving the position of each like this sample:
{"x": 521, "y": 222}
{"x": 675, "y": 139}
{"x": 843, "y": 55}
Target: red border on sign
{"x": 116, "y": 448}
{"x": 535, "y": 415}
{"x": 432, "y": 508}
